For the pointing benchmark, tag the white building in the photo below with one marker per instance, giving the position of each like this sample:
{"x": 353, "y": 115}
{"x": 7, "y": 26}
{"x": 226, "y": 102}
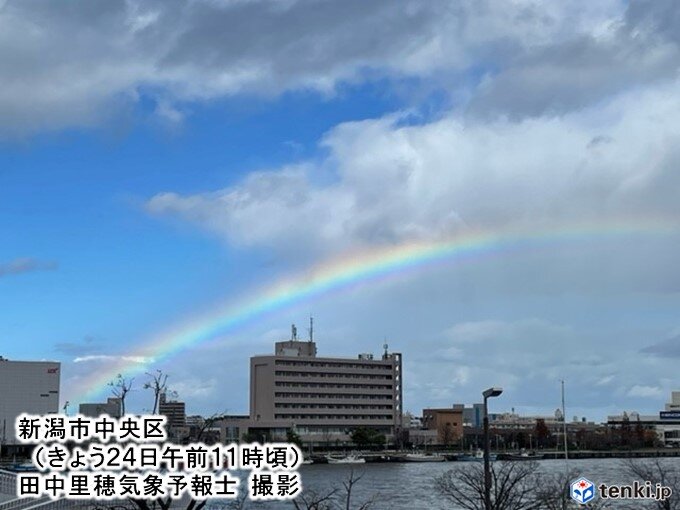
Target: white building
{"x": 27, "y": 387}
{"x": 674, "y": 404}
{"x": 669, "y": 418}
{"x": 666, "y": 424}
{"x": 113, "y": 407}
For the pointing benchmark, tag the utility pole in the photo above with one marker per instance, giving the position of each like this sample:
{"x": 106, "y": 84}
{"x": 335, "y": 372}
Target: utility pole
{"x": 487, "y": 394}
{"x": 564, "y": 426}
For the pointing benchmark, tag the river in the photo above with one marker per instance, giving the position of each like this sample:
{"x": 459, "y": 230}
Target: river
{"x": 408, "y": 486}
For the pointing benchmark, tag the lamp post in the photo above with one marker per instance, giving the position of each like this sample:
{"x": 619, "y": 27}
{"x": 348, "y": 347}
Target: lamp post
{"x": 491, "y": 392}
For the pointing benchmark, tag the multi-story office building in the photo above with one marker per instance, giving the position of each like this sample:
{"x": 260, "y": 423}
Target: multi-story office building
{"x": 326, "y": 398}
{"x": 27, "y": 387}
{"x": 174, "y": 410}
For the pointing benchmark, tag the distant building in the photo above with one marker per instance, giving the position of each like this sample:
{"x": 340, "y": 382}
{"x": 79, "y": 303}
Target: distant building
{"x": 473, "y": 416}
{"x": 447, "y": 422}
{"x": 113, "y": 407}
{"x": 174, "y": 410}
{"x": 666, "y": 424}
{"x": 674, "y": 404}
{"x": 198, "y": 428}
{"x": 411, "y": 422}
{"x": 323, "y": 398}
{"x": 27, "y": 387}
{"x": 233, "y": 428}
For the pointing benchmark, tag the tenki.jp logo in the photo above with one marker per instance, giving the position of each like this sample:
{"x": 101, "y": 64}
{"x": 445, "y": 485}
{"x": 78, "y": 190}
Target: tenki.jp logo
{"x": 582, "y": 490}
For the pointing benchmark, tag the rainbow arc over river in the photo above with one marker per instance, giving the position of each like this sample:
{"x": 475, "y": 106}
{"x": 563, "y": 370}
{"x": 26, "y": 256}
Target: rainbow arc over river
{"x": 370, "y": 265}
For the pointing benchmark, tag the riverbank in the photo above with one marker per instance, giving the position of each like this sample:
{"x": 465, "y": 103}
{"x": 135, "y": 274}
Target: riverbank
{"x": 385, "y": 457}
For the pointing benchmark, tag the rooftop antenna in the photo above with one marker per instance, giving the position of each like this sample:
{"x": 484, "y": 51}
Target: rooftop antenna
{"x": 311, "y": 328}
{"x": 293, "y": 333}
{"x": 385, "y": 347}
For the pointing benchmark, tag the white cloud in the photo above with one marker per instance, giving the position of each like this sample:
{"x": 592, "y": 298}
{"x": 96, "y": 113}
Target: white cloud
{"x": 105, "y": 358}
{"x": 195, "y": 388}
{"x": 605, "y": 381}
{"x": 393, "y": 182}
{"x": 646, "y": 391}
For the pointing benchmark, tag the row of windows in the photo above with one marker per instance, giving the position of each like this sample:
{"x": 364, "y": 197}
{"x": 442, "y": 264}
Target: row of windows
{"x": 287, "y": 416}
{"x": 325, "y": 364}
{"x": 331, "y": 406}
{"x": 348, "y": 396}
{"x": 331, "y": 374}
{"x": 334, "y": 385}
{"x": 324, "y": 430}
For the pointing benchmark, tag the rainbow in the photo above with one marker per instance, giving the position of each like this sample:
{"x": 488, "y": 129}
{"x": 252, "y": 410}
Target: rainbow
{"x": 360, "y": 267}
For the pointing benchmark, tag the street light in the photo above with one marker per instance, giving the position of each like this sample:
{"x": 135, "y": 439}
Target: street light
{"x": 491, "y": 392}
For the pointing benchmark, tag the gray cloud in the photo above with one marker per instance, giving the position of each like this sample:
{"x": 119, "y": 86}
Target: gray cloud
{"x": 25, "y": 265}
{"x": 621, "y": 53}
{"x": 80, "y": 64}
{"x": 669, "y": 348}
{"x": 88, "y": 345}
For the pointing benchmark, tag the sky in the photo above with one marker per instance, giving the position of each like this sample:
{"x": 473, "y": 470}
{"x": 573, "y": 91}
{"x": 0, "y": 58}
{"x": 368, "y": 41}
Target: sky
{"x": 164, "y": 161}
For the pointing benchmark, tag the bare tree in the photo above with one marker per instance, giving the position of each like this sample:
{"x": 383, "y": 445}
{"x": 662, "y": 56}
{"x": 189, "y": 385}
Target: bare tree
{"x": 313, "y": 500}
{"x": 515, "y": 486}
{"x": 239, "y": 503}
{"x": 120, "y": 387}
{"x": 333, "y": 499}
{"x": 158, "y": 384}
{"x": 202, "y": 434}
{"x": 445, "y": 434}
{"x": 656, "y": 471}
{"x": 552, "y": 491}
{"x": 165, "y": 504}
{"x": 511, "y": 486}
{"x": 348, "y": 485}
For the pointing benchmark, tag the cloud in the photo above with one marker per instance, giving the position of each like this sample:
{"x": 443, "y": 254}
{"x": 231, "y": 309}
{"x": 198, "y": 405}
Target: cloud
{"x": 80, "y": 65}
{"x": 604, "y": 381}
{"x": 646, "y": 391}
{"x": 194, "y": 388}
{"x": 528, "y": 358}
{"x": 562, "y": 76}
{"x": 669, "y": 348}
{"x": 386, "y": 182}
{"x": 563, "y": 113}
{"x": 25, "y": 265}
{"x": 77, "y": 66}
{"x": 86, "y": 346}
{"x": 106, "y": 358}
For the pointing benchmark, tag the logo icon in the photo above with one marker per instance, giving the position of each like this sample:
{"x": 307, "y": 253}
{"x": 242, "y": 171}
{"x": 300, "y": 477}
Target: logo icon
{"x": 582, "y": 490}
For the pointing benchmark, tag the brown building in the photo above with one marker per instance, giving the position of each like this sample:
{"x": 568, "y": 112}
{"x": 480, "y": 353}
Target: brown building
{"x": 324, "y": 399}
{"x": 448, "y": 422}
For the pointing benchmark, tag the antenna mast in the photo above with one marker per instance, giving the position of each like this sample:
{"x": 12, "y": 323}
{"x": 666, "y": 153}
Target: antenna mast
{"x": 311, "y": 328}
